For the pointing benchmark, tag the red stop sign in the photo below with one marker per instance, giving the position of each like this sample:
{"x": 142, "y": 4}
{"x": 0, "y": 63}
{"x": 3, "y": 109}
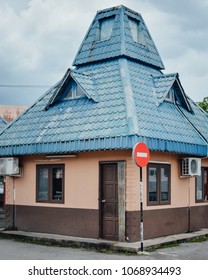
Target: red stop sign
{"x": 141, "y": 154}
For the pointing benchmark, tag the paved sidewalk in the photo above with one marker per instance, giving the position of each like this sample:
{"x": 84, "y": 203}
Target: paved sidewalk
{"x": 70, "y": 241}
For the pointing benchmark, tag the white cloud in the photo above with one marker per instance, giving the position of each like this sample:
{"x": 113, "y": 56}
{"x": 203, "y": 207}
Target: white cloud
{"x": 193, "y": 72}
{"x": 40, "y": 38}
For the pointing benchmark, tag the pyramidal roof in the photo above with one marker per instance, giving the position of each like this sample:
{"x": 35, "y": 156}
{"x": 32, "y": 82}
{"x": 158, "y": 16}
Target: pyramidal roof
{"x": 115, "y": 97}
{"x": 131, "y": 39}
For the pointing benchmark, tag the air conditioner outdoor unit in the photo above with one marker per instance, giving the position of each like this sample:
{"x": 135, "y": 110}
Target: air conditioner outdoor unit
{"x": 9, "y": 166}
{"x": 191, "y": 167}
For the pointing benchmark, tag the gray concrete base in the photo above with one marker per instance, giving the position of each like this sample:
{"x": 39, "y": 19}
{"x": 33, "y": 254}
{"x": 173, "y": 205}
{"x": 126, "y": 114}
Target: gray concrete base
{"x": 99, "y": 244}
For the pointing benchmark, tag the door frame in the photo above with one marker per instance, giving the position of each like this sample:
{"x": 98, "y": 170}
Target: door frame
{"x": 121, "y": 170}
{"x": 205, "y": 190}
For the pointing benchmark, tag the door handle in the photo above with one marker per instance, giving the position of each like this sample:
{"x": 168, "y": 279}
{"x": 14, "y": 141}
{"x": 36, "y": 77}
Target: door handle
{"x": 103, "y": 200}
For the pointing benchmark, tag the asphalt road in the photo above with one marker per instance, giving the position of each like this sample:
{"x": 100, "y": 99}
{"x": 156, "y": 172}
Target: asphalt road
{"x": 15, "y": 250}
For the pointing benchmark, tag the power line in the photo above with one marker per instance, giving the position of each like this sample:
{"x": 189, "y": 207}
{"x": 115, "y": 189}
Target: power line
{"x": 25, "y": 86}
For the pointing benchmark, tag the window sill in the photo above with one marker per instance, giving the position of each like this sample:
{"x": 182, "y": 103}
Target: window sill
{"x": 158, "y": 204}
{"x": 50, "y": 202}
{"x": 201, "y": 201}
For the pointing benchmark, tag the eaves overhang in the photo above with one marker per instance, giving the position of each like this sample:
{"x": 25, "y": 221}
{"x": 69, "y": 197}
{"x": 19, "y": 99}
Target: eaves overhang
{"x": 107, "y": 143}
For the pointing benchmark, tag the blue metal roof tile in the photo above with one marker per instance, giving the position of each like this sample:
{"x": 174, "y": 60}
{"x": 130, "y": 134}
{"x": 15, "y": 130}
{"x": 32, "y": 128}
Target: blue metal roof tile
{"x": 124, "y": 103}
{"x": 121, "y": 43}
{"x": 199, "y": 118}
{"x": 159, "y": 122}
{"x": 3, "y": 124}
{"x": 162, "y": 84}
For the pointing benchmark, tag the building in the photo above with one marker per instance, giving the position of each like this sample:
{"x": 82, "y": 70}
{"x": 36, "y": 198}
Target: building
{"x": 7, "y": 114}
{"x": 3, "y": 124}
{"x": 74, "y": 144}
{"x": 10, "y": 112}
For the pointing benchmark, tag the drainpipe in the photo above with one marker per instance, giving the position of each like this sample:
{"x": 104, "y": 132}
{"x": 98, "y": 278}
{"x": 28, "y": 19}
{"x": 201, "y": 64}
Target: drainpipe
{"x": 14, "y": 204}
{"x": 4, "y": 196}
{"x": 189, "y": 205}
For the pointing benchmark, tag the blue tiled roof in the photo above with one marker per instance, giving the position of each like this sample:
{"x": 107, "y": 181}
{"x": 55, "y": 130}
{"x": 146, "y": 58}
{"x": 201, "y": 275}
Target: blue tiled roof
{"x": 164, "y": 121}
{"x": 162, "y": 85}
{"x": 3, "y": 124}
{"x": 121, "y": 43}
{"x": 80, "y": 118}
{"x": 85, "y": 82}
{"x": 199, "y": 118}
{"x": 124, "y": 104}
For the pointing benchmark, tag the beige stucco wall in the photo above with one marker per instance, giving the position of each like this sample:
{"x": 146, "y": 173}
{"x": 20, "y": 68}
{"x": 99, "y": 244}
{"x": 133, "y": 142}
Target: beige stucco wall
{"x": 182, "y": 189}
{"x": 82, "y": 181}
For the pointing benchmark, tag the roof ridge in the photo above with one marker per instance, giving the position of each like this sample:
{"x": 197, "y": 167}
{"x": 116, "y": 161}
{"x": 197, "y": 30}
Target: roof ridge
{"x": 165, "y": 75}
{"x": 109, "y": 9}
{"x": 157, "y": 80}
{"x": 191, "y": 123}
{"x": 89, "y": 93}
{"x": 117, "y": 8}
{"x": 197, "y": 105}
{"x": 131, "y": 114}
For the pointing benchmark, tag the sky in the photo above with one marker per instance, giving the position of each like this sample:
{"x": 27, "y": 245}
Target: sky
{"x": 40, "y": 38}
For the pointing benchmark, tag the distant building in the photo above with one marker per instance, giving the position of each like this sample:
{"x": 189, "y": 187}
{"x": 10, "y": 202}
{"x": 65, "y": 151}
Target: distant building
{"x": 10, "y": 112}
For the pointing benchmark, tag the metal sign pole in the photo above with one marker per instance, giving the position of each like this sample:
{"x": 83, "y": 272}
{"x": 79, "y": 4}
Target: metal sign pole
{"x": 141, "y": 156}
{"x": 141, "y": 210}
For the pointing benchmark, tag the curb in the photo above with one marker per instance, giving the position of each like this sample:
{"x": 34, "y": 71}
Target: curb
{"x": 101, "y": 245}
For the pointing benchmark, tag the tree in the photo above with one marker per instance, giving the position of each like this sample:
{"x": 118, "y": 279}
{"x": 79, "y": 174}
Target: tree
{"x": 204, "y": 104}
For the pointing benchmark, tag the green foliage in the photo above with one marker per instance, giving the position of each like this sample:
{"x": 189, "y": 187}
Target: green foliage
{"x": 204, "y": 104}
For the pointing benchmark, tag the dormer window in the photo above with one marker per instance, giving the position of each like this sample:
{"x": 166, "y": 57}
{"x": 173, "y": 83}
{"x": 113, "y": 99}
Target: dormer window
{"x": 137, "y": 32}
{"x": 168, "y": 88}
{"x": 74, "y": 91}
{"x": 72, "y": 86}
{"x": 106, "y": 28}
{"x": 170, "y": 96}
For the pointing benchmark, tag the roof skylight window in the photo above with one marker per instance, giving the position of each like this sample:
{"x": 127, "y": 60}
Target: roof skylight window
{"x": 106, "y": 28}
{"x": 74, "y": 91}
{"x": 137, "y": 32}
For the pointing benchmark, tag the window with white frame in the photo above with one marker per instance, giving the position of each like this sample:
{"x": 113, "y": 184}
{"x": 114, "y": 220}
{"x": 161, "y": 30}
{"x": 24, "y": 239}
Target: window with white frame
{"x": 170, "y": 97}
{"x": 74, "y": 91}
{"x": 137, "y": 32}
{"x": 106, "y": 28}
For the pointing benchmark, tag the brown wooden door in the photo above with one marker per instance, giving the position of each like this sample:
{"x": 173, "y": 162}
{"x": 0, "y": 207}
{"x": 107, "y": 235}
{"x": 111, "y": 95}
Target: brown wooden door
{"x": 109, "y": 201}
